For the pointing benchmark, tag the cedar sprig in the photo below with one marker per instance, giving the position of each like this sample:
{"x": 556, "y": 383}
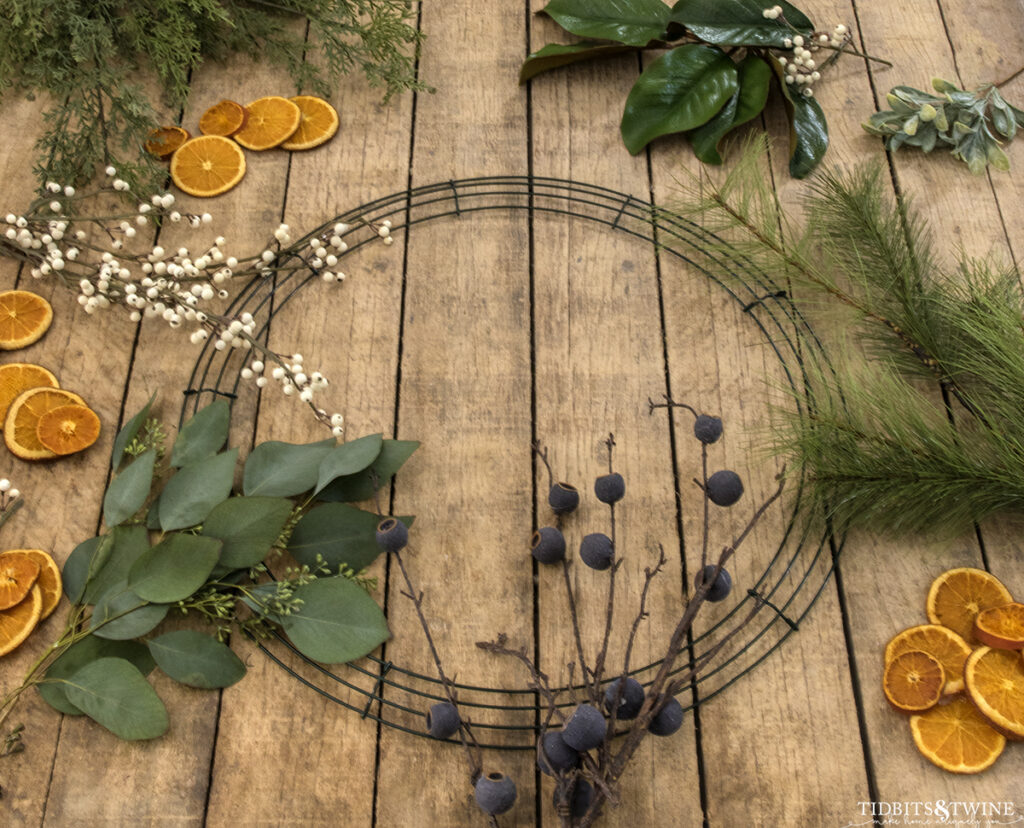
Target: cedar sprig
{"x": 86, "y": 56}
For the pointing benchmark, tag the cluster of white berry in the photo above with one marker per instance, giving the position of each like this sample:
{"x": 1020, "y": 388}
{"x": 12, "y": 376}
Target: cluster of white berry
{"x": 172, "y": 285}
{"x": 7, "y": 494}
{"x": 802, "y": 70}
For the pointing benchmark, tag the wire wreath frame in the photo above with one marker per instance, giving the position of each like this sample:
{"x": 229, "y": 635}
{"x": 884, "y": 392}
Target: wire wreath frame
{"x": 792, "y": 580}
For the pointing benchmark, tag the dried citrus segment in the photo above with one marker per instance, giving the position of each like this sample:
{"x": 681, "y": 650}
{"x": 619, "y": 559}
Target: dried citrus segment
{"x": 317, "y": 125}
{"x": 23, "y": 418}
{"x": 24, "y": 318}
{"x": 163, "y": 141}
{"x": 995, "y": 683}
{"x": 16, "y": 578}
{"x": 1001, "y": 627}
{"x": 207, "y": 166}
{"x": 958, "y": 595}
{"x": 224, "y": 118}
{"x": 913, "y": 681}
{"x": 271, "y": 121}
{"x": 956, "y": 737}
{"x": 68, "y": 428}
{"x": 17, "y": 622}
{"x": 49, "y": 580}
{"x": 942, "y": 643}
{"x": 18, "y": 377}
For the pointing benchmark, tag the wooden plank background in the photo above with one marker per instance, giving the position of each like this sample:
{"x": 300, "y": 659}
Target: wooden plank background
{"x": 478, "y": 335}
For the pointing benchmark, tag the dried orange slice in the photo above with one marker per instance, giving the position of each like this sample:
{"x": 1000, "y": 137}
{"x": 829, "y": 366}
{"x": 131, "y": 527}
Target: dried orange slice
{"x": 958, "y": 595}
{"x": 24, "y": 318}
{"x": 23, "y": 418}
{"x": 17, "y": 377}
{"x": 207, "y": 166}
{"x": 317, "y": 125}
{"x": 68, "y": 428}
{"x": 941, "y": 643}
{"x": 16, "y": 578}
{"x": 956, "y": 737}
{"x": 913, "y": 681}
{"x": 995, "y": 683}
{"x": 272, "y": 120}
{"x": 17, "y": 622}
{"x": 1001, "y": 627}
{"x": 49, "y": 580}
{"x": 163, "y": 141}
{"x": 224, "y": 118}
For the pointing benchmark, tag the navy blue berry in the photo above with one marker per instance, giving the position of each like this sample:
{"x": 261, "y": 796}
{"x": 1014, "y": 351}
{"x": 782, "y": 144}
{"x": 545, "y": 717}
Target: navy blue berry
{"x": 495, "y": 793}
{"x": 548, "y": 545}
{"x": 631, "y": 700}
{"x": 720, "y": 588}
{"x": 563, "y": 498}
{"x": 585, "y": 729}
{"x": 596, "y": 551}
{"x": 577, "y": 797}
{"x": 667, "y": 720}
{"x": 724, "y": 487}
{"x": 610, "y": 488}
{"x": 443, "y": 720}
{"x": 392, "y": 535}
{"x": 707, "y": 429}
{"x": 556, "y": 754}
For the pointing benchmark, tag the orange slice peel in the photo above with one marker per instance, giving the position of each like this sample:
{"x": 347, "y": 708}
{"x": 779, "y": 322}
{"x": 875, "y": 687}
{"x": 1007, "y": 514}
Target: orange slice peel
{"x": 941, "y": 643}
{"x": 1001, "y": 627}
{"x": 17, "y": 623}
{"x": 995, "y": 683}
{"x": 913, "y": 681}
{"x": 21, "y": 423}
{"x": 67, "y": 429}
{"x": 957, "y": 596}
{"x": 271, "y": 121}
{"x": 49, "y": 580}
{"x": 207, "y": 166}
{"x": 18, "y": 377}
{"x": 17, "y": 575}
{"x": 224, "y": 118}
{"x": 163, "y": 141}
{"x": 317, "y": 125}
{"x": 956, "y": 737}
{"x": 24, "y": 318}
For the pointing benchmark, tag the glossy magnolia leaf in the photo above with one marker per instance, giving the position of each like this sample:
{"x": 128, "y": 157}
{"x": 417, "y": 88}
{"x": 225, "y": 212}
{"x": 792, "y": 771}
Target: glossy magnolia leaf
{"x": 740, "y": 22}
{"x": 555, "y": 55}
{"x": 115, "y": 555}
{"x": 114, "y": 693}
{"x": 746, "y": 104}
{"x": 120, "y": 614}
{"x": 128, "y": 491}
{"x": 338, "y": 533}
{"x": 633, "y": 22}
{"x": 196, "y": 660}
{"x": 679, "y": 91}
{"x": 128, "y": 432}
{"x": 174, "y": 568}
{"x": 247, "y": 527}
{"x": 203, "y": 435}
{"x": 83, "y": 652}
{"x": 195, "y": 490}
{"x": 808, "y": 130}
{"x": 348, "y": 458}
{"x": 337, "y": 622}
{"x": 361, "y": 486}
{"x": 284, "y": 469}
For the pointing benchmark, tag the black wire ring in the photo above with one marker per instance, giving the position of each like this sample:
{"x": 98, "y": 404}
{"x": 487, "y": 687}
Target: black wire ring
{"x": 401, "y": 695}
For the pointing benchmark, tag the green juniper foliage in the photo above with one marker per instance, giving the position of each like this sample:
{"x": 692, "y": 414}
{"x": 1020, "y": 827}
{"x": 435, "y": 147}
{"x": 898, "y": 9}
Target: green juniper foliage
{"x": 85, "y": 57}
{"x": 926, "y": 433}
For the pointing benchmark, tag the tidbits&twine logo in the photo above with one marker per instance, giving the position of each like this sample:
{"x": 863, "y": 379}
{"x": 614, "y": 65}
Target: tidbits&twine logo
{"x": 939, "y": 812}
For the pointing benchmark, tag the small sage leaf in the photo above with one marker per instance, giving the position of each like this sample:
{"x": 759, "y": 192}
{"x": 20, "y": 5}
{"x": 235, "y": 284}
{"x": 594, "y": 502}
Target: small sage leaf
{"x": 247, "y": 527}
{"x": 81, "y": 653}
{"x": 120, "y": 615}
{"x": 347, "y": 459}
{"x": 337, "y": 621}
{"x": 203, "y": 435}
{"x": 338, "y": 533}
{"x": 196, "y": 660}
{"x": 740, "y": 22}
{"x": 679, "y": 91}
{"x": 114, "y": 693}
{"x": 128, "y": 491}
{"x": 128, "y": 432}
{"x": 555, "y": 55}
{"x": 195, "y": 490}
{"x": 278, "y": 469}
{"x": 633, "y": 22}
{"x": 362, "y": 485}
{"x": 174, "y": 568}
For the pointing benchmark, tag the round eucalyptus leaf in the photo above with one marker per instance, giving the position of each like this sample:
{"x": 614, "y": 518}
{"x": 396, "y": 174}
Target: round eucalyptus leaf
{"x": 114, "y": 693}
{"x": 128, "y": 491}
{"x": 348, "y": 458}
{"x": 192, "y": 493}
{"x": 120, "y": 614}
{"x": 362, "y": 485}
{"x": 174, "y": 568}
{"x": 247, "y": 527}
{"x": 276, "y": 469}
{"x": 196, "y": 659}
{"x": 81, "y": 653}
{"x": 203, "y": 435}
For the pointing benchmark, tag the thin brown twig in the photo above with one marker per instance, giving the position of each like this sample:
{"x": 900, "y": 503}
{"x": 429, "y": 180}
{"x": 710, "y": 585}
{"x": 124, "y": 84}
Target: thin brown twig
{"x": 575, "y": 618}
{"x": 649, "y": 576}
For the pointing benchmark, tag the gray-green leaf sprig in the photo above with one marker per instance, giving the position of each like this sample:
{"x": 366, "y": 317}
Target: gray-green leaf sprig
{"x": 969, "y": 123}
